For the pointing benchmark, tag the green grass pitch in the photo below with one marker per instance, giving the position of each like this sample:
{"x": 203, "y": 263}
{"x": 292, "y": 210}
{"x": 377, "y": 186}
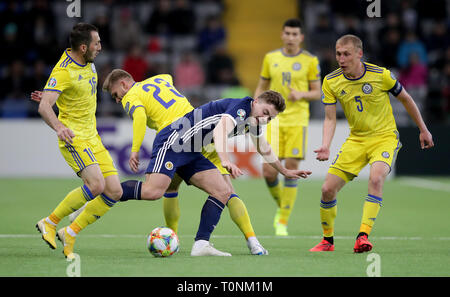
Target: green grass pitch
{"x": 411, "y": 235}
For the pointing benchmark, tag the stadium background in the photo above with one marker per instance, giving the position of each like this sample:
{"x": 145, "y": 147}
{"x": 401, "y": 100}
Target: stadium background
{"x": 214, "y": 49}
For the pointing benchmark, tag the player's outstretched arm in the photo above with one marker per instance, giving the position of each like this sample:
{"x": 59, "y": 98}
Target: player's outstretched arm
{"x": 425, "y": 137}
{"x": 139, "y": 127}
{"x": 48, "y": 99}
{"x": 220, "y": 135}
{"x": 265, "y": 150}
{"x": 329, "y": 127}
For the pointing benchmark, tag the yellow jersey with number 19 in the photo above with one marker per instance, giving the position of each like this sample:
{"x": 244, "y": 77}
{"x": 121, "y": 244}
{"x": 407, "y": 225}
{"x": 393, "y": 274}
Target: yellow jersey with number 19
{"x": 294, "y": 71}
{"x": 365, "y": 100}
{"x": 77, "y": 102}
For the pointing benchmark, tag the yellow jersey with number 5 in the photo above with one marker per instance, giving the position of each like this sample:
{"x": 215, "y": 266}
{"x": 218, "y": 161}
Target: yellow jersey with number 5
{"x": 296, "y": 71}
{"x": 162, "y": 103}
{"x": 365, "y": 100}
{"x": 77, "y": 102}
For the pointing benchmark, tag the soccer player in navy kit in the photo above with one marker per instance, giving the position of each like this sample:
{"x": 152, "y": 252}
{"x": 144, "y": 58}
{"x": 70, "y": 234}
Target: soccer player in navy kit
{"x": 177, "y": 149}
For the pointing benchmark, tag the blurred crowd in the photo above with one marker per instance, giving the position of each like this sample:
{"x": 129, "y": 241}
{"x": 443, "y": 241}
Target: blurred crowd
{"x": 187, "y": 38}
{"x": 411, "y": 38}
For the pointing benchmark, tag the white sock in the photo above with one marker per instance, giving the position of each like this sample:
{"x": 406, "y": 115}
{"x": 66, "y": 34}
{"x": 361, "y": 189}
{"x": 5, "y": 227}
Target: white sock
{"x": 50, "y": 221}
{"x": 71, "y": 232}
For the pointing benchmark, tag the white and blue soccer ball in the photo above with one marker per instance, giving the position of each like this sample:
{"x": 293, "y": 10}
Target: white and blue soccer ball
{"x": 162, "y": 242}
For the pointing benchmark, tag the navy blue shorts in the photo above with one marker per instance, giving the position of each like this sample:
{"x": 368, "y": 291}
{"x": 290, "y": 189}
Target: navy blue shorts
{"x": 167, "y": 161}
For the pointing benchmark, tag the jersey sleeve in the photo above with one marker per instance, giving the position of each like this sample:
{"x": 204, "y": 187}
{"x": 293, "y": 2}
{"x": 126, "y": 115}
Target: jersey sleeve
{"x": 265, "y": 71}
{"x": 136, "y": 110}
{"x": 390, "y": 83}
{"x": 130, "y": 104}
{"x": 58, "y": 81}
{"x": 314, "y": 70}
{"x": 327, "y": 95}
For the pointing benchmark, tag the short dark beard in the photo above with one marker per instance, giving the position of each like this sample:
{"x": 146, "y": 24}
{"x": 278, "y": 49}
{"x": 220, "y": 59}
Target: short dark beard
{"x": 88, "y": 56}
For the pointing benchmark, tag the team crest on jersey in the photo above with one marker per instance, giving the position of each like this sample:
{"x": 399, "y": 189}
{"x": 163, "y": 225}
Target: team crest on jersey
{"x": 93, "y": 68}
{"x": 52, "y": 82}
{"x": 296, "y": 66}
{"x": 367, "y": 88}
{"x": 295, "y": 151}
{"x": 385, "y": 155}
{"x": 241, "y": 113}
{"x": 168, "y": 165}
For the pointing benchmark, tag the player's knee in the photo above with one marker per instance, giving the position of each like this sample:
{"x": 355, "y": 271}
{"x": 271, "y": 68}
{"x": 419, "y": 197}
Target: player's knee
{"x": 269, "y": 175}
{"x": 223, "y": 194}
{"x": 376, "y": 183}
{"x": 151, "y": 193}
{"x": 96, "y": 186}
{"x": 328, "y": 192}
{"x": 115, "y": 193}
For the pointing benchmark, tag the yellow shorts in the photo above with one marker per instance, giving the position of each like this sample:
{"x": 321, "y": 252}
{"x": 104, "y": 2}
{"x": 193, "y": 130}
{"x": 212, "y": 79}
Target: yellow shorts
{"x": 85, "y": 152}
{"x": 357, "y": 152}
{"x": 209, "y": 152}
{"x": 288, "y": 142}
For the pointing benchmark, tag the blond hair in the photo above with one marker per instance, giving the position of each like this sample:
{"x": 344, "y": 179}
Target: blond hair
{"x": 113, "y": 77}
{"x": 353, "y": 39}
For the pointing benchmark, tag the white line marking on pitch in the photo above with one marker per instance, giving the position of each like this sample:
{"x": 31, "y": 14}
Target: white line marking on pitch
{"x": 236, "y": 236}
{"x": 425, "y": 184}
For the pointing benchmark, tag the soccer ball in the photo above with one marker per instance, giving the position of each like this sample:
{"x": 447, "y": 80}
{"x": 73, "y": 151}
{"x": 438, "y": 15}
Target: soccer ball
{"x": 162, "y": 242}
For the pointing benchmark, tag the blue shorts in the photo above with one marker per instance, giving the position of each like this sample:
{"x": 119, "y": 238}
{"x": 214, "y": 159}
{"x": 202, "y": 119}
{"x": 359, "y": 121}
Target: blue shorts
{"x": 167, "y": 161}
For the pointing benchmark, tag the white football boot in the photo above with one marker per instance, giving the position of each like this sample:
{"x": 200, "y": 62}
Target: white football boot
{"x": 205, "y": 248}
{"x": 255, "y": 247}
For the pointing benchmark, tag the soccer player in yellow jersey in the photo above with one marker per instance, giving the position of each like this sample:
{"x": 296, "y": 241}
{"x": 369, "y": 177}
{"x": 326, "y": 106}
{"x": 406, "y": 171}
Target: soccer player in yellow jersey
{"x": 295, "y": 73}
{"x": 155, "y": 103}
{"x": 363, "y": 92}
{"x": 72, "y": 85}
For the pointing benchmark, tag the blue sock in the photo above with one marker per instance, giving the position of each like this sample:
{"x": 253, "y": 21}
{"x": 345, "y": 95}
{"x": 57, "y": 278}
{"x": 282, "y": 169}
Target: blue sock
{"x": 131, "y": 190}
{"x": 211, "y": 211}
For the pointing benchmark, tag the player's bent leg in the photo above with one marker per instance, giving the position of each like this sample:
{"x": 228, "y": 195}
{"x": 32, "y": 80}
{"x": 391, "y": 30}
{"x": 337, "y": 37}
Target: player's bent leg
{"x": 211, "y": 181}
{"x": 155, "y": 186}
{"x": 372, "y": 205}
{"x": 328, "y": 211}
{"x": 171, "y": 206}
{"x": 113, "y": 189}
{"x": 239, "y": 215}
{"x": 93, "y": 178}
{"x": 287, "y": 198}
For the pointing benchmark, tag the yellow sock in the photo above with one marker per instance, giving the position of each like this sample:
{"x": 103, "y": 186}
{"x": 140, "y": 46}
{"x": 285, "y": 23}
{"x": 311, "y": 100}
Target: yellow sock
{"x": 94, "y": 210}
{"x": 239, "y": 215}
{"x": 328, "y": 211}
{"x": 275, "y": 190}
{"x": 171, "y": 208}
{"x": 288, "y": 197}
{"x": 371, "y": 208}
{"x": 73, "y": 201}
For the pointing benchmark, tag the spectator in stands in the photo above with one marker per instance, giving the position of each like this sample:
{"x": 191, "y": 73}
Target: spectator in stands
{"x": 158, "y": 23}
{"x": 411, "y": 44}
{"x": 220, "y": 68}
{"x": 135, "y": 63}
{"x": 103, "y": 23}
{"x": 126, "y": 31}
{"x": 189, "y": 73}
{"x": 212, "y": 35}
{"x": 182, "y": 18}
{"x": 415, "y": 74}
